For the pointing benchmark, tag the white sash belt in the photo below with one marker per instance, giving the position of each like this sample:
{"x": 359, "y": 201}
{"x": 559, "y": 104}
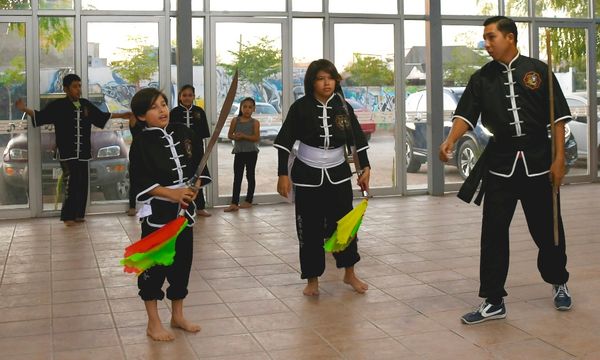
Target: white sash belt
{"x": 320, "y": 158}
{"x": 146, "y": 210}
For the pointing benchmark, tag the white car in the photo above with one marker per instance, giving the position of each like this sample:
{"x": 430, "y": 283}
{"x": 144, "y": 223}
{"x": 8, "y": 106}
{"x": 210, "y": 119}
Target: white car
{"x": 578, "y": 103}
{"x": 270, "y": 121}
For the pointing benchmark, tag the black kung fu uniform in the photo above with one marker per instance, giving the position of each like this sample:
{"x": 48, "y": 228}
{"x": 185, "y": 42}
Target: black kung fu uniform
{"x": 514, "y": 105}
{"x": 323, "y": 194}
{"x": 195, "y": 119}
{"x": 72, "y": 128}
{"x": 165, "y": 157}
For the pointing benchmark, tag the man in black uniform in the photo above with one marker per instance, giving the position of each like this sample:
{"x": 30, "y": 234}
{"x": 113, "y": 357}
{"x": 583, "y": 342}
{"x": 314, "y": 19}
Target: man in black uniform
{"x": 324, "y": 125}
{"x": 72, "y": 117}
{"x": 511, "y": 95}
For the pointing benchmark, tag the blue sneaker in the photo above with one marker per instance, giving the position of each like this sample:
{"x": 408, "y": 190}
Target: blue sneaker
{"x": 562, "y": 298}
{"x": 485, "y": 312}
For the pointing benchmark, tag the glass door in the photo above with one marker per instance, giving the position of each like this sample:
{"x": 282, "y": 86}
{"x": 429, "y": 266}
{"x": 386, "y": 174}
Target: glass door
{"x": 14, "y": 144}
{"x": 255, "y": 47}
{"x": 122, "y": 55}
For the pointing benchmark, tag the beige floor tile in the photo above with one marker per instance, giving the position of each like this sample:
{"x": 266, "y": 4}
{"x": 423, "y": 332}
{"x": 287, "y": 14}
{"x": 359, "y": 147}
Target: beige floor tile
{"x": 80, "y": 308}
{"x": 323, "y": 352}
{"x": 407, "y": 325}
{"x": 298, "y": 338}
{"x": 103, "y": 353}
{"x": 85, "y": 339}
{"x": 258, "y": 307}
{"x": 239, "y": 295}
{"x": 25, "y": 328}
{"x": 528, "y": 350}
{"x": 226, "y": 345}
{"x": 384, "y": 349}
{"x": 277, "y": 321}
{"x": 84, "y": 322}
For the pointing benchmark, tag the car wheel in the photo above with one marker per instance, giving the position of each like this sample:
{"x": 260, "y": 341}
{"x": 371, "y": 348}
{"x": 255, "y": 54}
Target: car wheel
{"x": 467, "y": 157}
{"x": 412, "y": 163}
{"x": 118, "y": 191}
{"x": 11, "y": 195}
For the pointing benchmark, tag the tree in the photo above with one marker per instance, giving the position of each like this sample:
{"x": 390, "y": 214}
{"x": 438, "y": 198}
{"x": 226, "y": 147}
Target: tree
{"x": 370, "y": 71}
{"x": 462, "y": 64}
{"x": 12, "y": 77}
{"x": 255, "y": 62}
{"x": 198, "y": 53}
{"x": 141, "y": 64}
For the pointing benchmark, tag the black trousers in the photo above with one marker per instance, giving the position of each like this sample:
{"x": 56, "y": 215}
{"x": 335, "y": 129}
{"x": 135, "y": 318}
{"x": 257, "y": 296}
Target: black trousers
{"x": 150, "y": 282}
{"x": 317, "y": 211}
{"x": 499, "y": 206}
{"x": 240, "y": 161}
{"x": 200, "y": 200}
{"x": 76, "y": 184}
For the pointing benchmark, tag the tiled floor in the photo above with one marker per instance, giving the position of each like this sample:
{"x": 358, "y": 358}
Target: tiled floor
{"x": 64, "y": 296}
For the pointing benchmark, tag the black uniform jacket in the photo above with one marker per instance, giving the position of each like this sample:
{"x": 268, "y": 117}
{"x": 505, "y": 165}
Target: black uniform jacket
{"x": 194, "y": 118}
{"x": 305, "y": 123}
{"x": 514, "y": 105}
{"x": 166, "y": 157}
{"x": 72, "y": 126}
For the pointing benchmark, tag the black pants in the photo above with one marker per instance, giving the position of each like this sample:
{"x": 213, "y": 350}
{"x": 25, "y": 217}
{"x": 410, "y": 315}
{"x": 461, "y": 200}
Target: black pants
{"x": 317, "y": 211}
{"x": 200, "y": 201}
{"x": 499, "y": 206}
{"x": 240, "y": 161}
{"x": 76, "y": 184}
{"x": 150, "y": 282}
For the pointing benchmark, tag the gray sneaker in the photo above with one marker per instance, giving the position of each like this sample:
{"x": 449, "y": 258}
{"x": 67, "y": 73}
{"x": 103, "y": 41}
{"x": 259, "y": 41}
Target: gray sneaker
{"x": 485, "y": 312}
{"x": 562, "y": 298}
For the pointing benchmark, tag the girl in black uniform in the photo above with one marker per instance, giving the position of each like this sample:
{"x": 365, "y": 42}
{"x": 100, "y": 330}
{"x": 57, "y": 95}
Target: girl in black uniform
{"x": 163, "y": 157}
{"x": 324, "y": 125}
{"x": 193, "y": 117}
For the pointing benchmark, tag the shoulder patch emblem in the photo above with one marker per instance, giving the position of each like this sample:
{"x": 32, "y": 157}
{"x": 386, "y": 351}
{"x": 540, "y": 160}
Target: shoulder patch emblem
{"x": 532, "y": 80}
{"x": 187, "y": 144}
{"x": 341, "y": 121}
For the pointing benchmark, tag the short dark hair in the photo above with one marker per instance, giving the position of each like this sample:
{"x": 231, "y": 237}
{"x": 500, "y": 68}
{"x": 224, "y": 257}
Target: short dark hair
{"x": 69, "y": 79}
{"x": 314, "y": 68}
{"x": 183, "y": 88}
{"x": 504, "y": 24}
{"x": 242, "y": 103}
{"x": 142, "y": 100}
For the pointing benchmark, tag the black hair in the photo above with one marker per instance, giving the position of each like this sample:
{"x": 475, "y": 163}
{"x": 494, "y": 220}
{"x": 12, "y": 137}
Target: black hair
{"x": 504, "y": 24}
{"x": 69, "y": 79}
{"x": 142, "y": 100}
{"x": 314, "y": 68}
{"x": 183, "y": 88}
{"x": 242, "y": 103}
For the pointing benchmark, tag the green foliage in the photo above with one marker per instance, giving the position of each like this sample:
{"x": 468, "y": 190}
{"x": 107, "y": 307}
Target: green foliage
{"x": 13, "y": 76}
{"x": 370, "y": 71}
{"x": 198, "y": 53}
{"x": 141, "y": 64}
{"x": 15, "y": 4}
{"x": 255, "y": 62}
{"x": 462, "y": 65}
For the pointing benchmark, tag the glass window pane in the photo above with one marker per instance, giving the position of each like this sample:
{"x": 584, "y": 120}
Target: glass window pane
{"x": 415, "y": 144}
{"x": 56, "y": 4}
{"x": 245, "y": 5}
{"x": 517, "y": 8}
{"x": 122, "y": 58}
{"x": 15, "y": 5}
{"x": 307, "y": 46}
{"x": 13, "y": 129}
{"x": 570, "y": 9}
{"x": 368, "y": 69}
{"x": 569, "y": 64}
{"x": 414, "y": 7}
{"x": 122, "y": 5}
{"x": 598, "y": 96}
{"x": 364, "y": 7}
{"x": 57, "y": 59}
{"x": 197, "y": 5}
{"x": 307, "y": 5}
{"x": 470, "y": 7}
{"x": 256, "y": 48}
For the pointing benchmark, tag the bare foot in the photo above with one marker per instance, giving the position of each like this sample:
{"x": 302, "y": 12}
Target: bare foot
{"x": 69, "y": 222}
{"x": 312, "y": 288}
{"x": 185, "y": 325}
{"x": 131, "y": 212}
{"x": 159, "y": 333}
{"x": 232, "y": 207}
{"x": 203, "y": 213}
{"x": 245, "y": 205}
{"x": 80, "y": 220}
{"x": 358, "y": 285}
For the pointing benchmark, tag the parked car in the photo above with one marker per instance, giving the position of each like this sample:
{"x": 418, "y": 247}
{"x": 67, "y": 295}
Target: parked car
{"x": 468, "y": 148}
{"x": 108, "y": 166}
{"x": 270, "y": 121}
{"x": 364, "y": 116}
{"x": 578, "y": 103}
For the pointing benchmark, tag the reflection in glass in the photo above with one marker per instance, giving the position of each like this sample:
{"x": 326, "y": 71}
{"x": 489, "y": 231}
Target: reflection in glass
{"x": 569, "y": 64}
{"x": 307, "y": 5}
{"x": 122, "y": 58}
{"x": 517, "y": 7}
{"x": 57, "y": 59}
{"x": 364, "y": 54}
{"x": 56, "y": 4}
{"x": 122, "y": 5}
{"x": 364, "y": 7}
{"x": 245, "y": 5}
{"x": 470, "y": 7}
{"x": 13, "y": 130}
{"x": 255, "y": 49}
{"x": 15, "y": 5}
{"x": 307, "y": 46}
{"x": 562, "y": 9}
{"x": 414, "y": 7}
